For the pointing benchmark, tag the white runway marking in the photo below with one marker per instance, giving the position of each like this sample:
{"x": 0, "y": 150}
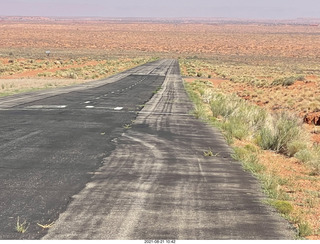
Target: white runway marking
{"x": 47, "y": 106}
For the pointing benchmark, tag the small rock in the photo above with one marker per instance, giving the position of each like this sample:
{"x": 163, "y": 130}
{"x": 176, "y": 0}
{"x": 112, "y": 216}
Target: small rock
{"x": 312, "y": 118}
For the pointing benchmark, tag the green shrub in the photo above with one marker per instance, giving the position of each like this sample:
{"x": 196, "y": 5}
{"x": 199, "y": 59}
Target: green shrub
{"x": 229, "y": 138}
{"x": 251, "y": 148}
{"x": 271, "y": 186}
{"x": 283, "y": 207}
{"x": 304, "y": 155}
{"x": 237, "y": 110}
{"x": 304, "y": 229}
{"x": 296, "y": 146}
{"x": 236, "y": 128}
{"x": 301, "y": 78}
{"x": 279, "y": 132}
{"x": 248, "y": 158}
{"x": 220, "y": 106}
{"x": 45, "y": 74}
{"x": 265, "y": 138}
{"x": 315, "y": 165}
{"x": 287, "y": 81}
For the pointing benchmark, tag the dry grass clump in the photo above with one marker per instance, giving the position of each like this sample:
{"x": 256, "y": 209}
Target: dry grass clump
{"x": 282, "y": 133}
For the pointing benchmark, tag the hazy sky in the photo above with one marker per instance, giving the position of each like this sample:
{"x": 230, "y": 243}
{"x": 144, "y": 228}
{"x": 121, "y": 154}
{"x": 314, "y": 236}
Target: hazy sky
{"x": 263, "y": 9}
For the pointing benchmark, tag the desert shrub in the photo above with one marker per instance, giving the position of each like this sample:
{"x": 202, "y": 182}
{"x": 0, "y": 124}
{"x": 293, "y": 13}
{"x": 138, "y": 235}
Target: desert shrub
{"x": 304, "y": 155}
{"x": 233, "y": 78}
{"x": 242, "y": 118}
{"x": 207, "y": 96}
{"x": 287, "y": 81}
{"x": 220, "y": 107}
{"x": 251, "y": 148}
{"x": 304, "y": 229}
{"x": 271, "y": 185}
{"x": 72, "y": 75}
{"x": 283, "y": 207}
{"x": 249, "y": 158}
{"x": 301, "y": 78}
{"x": 315, "y": 166}
{"x": 296, "y": 146}
{"x": 279, "y": 132}
{"x": 260, "y": 83}
{"x": 199, "y": 110}
{"x": 225, "y": 105}
{"x": 45, "y": 74}
{"x": 314, "y": 163}
{"x": 229, "y": 138}
{"x": 201, "y": 90}
{"x": 236, "y": 128}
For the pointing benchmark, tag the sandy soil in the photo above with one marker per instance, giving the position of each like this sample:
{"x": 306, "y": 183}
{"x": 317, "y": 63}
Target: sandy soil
{"x": 269, "y": 40}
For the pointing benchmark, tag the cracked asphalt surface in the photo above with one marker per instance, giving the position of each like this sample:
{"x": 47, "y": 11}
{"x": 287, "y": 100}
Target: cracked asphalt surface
{"x": 75, "y": 157}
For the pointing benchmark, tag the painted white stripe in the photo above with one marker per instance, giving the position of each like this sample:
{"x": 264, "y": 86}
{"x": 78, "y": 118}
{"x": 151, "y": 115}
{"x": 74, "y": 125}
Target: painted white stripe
{"x": 118, "y": 108}
{"x": 47, "y": 106}
{"x": 89, "y": 106}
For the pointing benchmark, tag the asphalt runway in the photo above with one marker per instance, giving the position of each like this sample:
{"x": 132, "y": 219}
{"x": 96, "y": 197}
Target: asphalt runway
{"x": 52, "y": 142}
{"x": 84, "y": 158}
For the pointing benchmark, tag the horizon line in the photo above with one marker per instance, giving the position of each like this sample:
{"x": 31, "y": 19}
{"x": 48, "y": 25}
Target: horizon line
{"x": 158, "y": 17}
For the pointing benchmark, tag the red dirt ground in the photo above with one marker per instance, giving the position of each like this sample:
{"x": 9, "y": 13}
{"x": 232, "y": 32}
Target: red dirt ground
{"x": 184, "y": 38}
